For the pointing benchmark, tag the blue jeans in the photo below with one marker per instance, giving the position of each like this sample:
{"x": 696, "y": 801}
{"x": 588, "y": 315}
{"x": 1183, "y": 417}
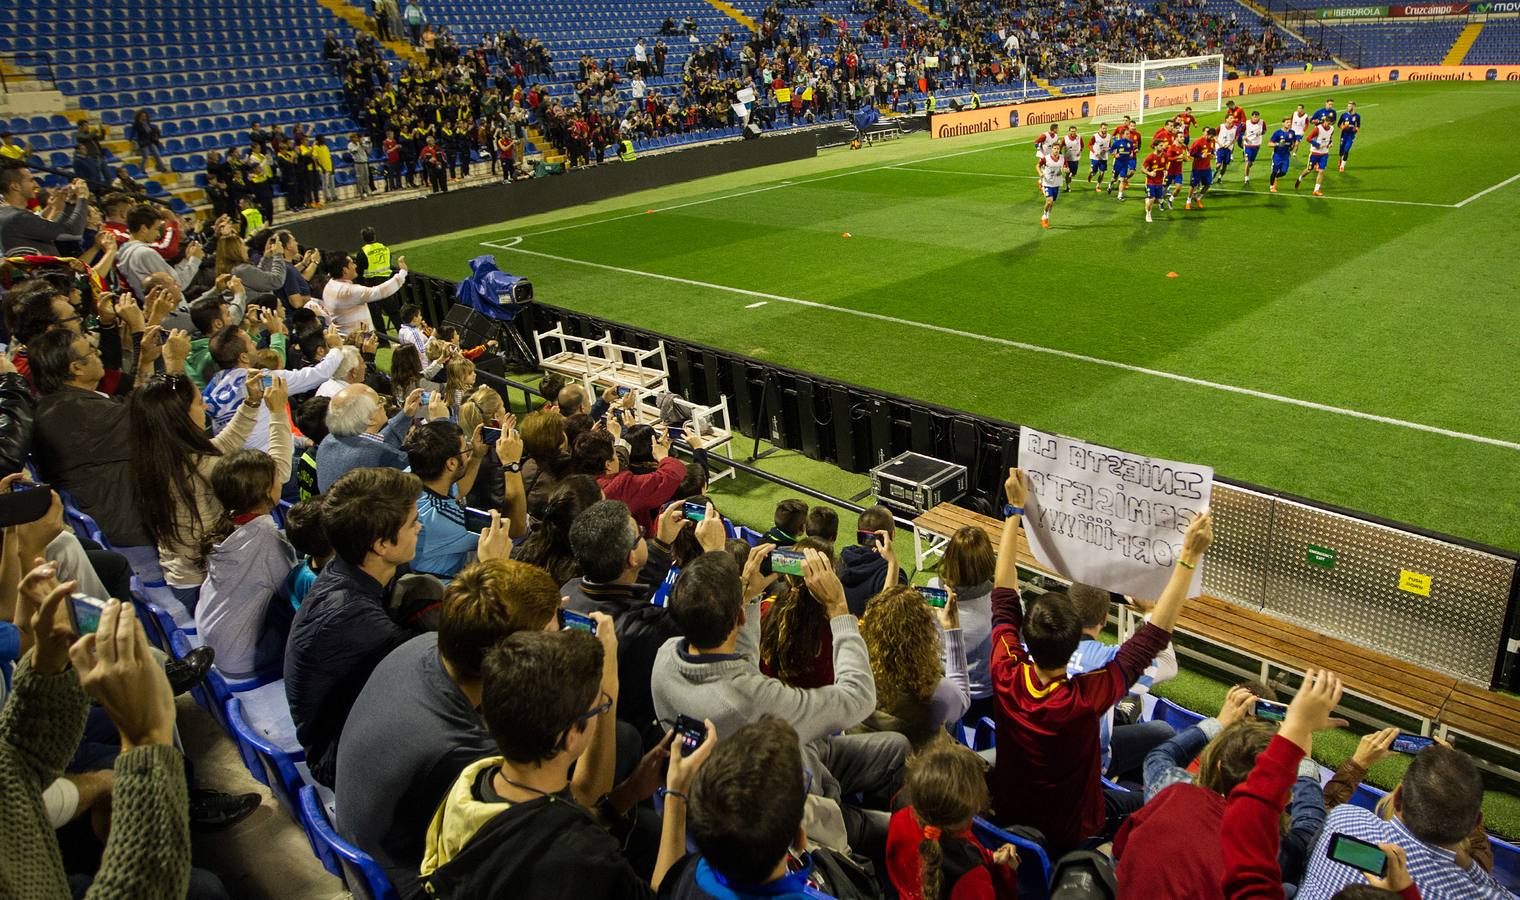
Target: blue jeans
{"x": 1131, "y": 744}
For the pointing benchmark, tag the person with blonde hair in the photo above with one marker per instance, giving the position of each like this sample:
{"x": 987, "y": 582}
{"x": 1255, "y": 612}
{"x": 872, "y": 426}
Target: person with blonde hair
{"x": 931, "y": 851}
{"x": 458, "y": 382}
{"x": 919, "y": 662}
{"x": 484, "y": 409}
{"x": 966, "y": 569}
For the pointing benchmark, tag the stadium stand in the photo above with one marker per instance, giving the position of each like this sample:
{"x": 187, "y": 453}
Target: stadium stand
{"x": 1382, "y": 44}
{"x": 1499, "y": 42}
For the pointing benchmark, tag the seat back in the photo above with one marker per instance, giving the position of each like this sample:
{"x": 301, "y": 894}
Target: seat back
{"x": 364, "y": 877}
{"x": 1034, "y": 862}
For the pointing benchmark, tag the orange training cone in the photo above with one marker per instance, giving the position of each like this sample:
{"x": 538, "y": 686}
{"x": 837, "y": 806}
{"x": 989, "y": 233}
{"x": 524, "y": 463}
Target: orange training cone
{"x": 1171, "y": 274}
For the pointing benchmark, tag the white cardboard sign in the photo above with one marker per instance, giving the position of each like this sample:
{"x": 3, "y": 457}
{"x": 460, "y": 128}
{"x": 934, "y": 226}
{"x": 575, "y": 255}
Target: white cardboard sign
{"x": 1108, "y": 518}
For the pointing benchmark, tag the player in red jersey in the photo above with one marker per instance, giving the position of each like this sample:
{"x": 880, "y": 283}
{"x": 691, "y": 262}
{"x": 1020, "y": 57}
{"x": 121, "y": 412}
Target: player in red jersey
{"x": 1235, "y": 115}
{"x": 1186, "y": 120}
{"x": 1202, "y": 152}
{"x": 1175, "y": 153}
{"x": 1165, "y": 133}
{"x": 1155, "y": 179}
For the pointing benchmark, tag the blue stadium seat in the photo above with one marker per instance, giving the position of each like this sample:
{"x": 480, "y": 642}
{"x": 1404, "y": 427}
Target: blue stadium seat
{"x": 1174, "y": 715}
{"x": 1034, "y": 863}
{"x": 363, "y": 876}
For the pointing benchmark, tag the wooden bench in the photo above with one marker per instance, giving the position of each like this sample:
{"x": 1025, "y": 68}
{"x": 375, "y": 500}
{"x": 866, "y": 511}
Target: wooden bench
{"x": 1366, "y": 673}
{"x": 1275, "y": 642}
{"x": 1483, "y": 714}
{"x": 590, "y": 360}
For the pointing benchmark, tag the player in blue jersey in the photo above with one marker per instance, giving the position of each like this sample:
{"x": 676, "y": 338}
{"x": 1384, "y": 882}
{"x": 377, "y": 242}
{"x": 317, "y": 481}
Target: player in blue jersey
{"x": 1283, "y": 141}
{"x": 1325, "y": 113}
{"x": 1351, "y": 123}
{"x": 1124, "y": 149}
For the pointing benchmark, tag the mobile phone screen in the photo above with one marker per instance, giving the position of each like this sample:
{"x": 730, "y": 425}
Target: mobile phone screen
{"x": 84, "y": 613}
{"x": 1357, "y": 854}
{"x": 786, "y": 562}
{"x": 21, "y": 487}
{"x": 490, "y": 435}
{"x": 1410, "y": 743}
{"x": 1272, "y": 712}
{"x": 691, "y": 732}
{"x": 425, "y": 396}
{"x": 867, "y": 538}
{"x": 696, "y": 512}
{"x": 938, "y": 598}
{"x": 569, "y": 619}
{"x": 268, "y": 382}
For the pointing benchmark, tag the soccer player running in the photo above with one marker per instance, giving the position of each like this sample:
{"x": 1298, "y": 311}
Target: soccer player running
{"x": 1071, "y": 147}
{"x": 1319, "y": 155}
{"x": 1250, "y": 142}
{"x": 1175, "y": 152}
{"x": 1047, "y": 140}
{"x": 1351, "y": 123}
{"x": 1097, "y": 155}
{"x": 1283, "y": 142}
{"x": 1186, "y": 120}
{"x": 1325, "y": 113}
{"x": 1124, "y": 150}
{"x": 1051, "y": 167}
{"x": 1202, "y": 152}
{"x": 1155, "y": 179}
{"x": 1224, "y": 147}
{"x": 1300, "y": 126}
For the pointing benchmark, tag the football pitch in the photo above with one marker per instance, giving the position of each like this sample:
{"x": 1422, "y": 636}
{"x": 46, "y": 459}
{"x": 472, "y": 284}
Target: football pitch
{"x": 1360, "y": 348}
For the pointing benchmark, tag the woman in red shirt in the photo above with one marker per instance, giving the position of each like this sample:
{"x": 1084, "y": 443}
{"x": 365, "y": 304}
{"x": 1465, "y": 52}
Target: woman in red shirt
{"x": 931, "y": 852}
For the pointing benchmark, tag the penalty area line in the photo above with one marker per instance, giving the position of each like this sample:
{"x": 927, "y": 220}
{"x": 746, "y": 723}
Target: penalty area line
{"x": 513, "y": 246}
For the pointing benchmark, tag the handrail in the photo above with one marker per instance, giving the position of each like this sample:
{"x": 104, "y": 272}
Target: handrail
{"x": 15, "y": 58}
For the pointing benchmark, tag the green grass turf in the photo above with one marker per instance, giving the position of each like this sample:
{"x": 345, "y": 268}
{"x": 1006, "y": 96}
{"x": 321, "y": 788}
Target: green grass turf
{"x": 1394, "y": 310}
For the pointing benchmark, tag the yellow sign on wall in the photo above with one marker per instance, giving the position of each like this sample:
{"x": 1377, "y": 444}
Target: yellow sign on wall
{"x": 1414, "y": 582}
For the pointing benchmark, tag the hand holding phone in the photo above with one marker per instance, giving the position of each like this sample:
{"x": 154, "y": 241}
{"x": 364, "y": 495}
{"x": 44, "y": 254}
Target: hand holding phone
{"x": 938, "y": 598}
{"x": 786, "y": 562}
{"x": 694, "y": 512}
{"x": 691, "y": 732}
{"x": 490, "y": 435}
{"x": 570, "y": 620}
{"x": 84, "y": 613}
{"x": 1358, "y": 854}
{"x": 1269, "y": 711}
{"x": 1410, "y": 743}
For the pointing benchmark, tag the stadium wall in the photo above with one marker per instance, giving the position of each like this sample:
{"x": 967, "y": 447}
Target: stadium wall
{"x": 426, "y": 216}
{"x": 1043, "y": 112}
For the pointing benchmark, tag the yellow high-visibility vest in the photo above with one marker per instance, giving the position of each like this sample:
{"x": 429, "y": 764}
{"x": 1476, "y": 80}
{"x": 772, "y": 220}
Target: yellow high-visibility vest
{"x": 377, "y": 260}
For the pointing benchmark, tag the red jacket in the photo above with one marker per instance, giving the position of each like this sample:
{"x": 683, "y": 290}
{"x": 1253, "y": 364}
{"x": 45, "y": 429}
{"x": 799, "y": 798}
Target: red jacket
{"x": 1170, "y": 846}
{"x": 967, "y": 870}
{"x": 1248, "y": 837}
{"x": 645, "y": 494}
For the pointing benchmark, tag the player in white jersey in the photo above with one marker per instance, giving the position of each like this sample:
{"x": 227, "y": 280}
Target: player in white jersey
{"x": 1319, "y": 155}
{"x": 1299, "y": 122}
{"x": 1250, "y": 142}
{"x": 1224, "y": 148}
{"x": 1047, "y": 141}
{"x": 1097, "y": 155}
{"x": 1071, "y": 148}
{"x": 1051, "y": 167}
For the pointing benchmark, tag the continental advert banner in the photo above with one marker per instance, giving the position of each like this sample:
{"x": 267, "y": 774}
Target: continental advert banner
{"x": 1113, "y": 106}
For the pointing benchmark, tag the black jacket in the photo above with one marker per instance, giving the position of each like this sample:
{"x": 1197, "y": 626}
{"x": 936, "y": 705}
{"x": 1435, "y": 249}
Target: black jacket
{"x": 864, "y": 574}
{"x": 641, "y": 630}
{"x": 16, "y": 408}
{"x": 82, "y": 447}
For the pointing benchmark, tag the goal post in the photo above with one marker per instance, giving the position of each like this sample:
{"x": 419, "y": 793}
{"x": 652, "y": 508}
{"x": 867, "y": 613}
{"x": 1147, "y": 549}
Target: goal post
{"x": 1154, "y": 86}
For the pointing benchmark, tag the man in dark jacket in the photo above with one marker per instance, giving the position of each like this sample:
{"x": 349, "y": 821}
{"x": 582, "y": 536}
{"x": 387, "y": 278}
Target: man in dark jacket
{"x": 16, "y": 417}
{"x": 866, "y": 569}
{"x": 619, "y": 572}
{"x": 342, "y": 631}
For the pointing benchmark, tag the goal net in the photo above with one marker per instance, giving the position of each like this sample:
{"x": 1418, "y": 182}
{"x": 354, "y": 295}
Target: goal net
{"x": 1153, "y": 87}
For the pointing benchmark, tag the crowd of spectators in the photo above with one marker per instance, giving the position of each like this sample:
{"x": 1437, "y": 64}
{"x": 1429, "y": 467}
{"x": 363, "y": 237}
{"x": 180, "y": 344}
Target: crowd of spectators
{"x": 530, "y": 658}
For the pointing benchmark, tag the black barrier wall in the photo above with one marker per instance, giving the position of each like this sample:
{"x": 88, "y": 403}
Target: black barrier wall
{"x": 421, "y": 216}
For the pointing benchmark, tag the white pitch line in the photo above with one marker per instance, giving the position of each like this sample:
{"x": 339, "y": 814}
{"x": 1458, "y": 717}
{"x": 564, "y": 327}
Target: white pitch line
{"x": 757, "y": 305}
{"x": 1032, "y": 348}
{"x": 910, "y": 168}
{"x": 759, "y": 190}
{"x": 1488, "y": 190}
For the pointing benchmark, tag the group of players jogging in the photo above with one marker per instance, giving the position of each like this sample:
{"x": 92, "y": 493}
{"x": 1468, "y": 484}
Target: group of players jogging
{"x": 1059, "y": 157}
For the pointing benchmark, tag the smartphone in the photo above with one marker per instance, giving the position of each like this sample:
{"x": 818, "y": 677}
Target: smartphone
{"x": 696, "y": 512}
{"x": 570, "y": 619}
{"x": 84, "y": 613}
{"x": 938, "y": 598}
{"x": 268, "y": 382}
{"x": 1272, "y": 712}
{"x": 623, "y": 392}
{"x": 19, "y": 487}
{"x": 1358, "y": 854}
{"x": 786, "y": 562}
{"x": 425, "y": 396}
{"x": 867, "y": 538}
{"x": 692, "y": 733}
{"x": 1410, "y": 743}
{"x": 490, "y": 436}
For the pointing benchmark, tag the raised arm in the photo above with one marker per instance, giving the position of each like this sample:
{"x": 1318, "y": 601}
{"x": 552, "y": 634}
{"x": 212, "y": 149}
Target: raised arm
{"x": 1200, "y": 533}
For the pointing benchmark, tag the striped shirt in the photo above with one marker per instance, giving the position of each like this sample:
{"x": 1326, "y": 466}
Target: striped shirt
{"x": 1433, "y": 868}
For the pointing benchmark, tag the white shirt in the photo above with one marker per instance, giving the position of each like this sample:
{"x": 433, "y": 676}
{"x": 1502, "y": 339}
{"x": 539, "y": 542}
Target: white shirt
{"x": 331, "y": 387}
{"x": 1254, "y": 131}
{"x": 640, "y": 52}
{"x": 348, "y": 303}
{"x": 1319, "y": 141}
{"x": 1300, "y": 122}
{"x": 1226, "y": 136}
{"x": 1072, "y": 147}
{"x": 637, "y": 86}
{"x": 1099, "y": 148}
{"x": 1046, "y": 142}
{"x": 1052, "y": 170}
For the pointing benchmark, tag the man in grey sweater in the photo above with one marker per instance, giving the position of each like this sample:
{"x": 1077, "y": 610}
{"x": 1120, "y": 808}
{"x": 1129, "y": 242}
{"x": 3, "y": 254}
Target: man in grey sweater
{"x": 712, "y": 672}
{"x": 23, "y": 231}
{"x": 137, "y": 259}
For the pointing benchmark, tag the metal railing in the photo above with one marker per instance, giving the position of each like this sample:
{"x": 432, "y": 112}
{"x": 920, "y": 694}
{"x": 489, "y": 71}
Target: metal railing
{"x": 39, "y": 61}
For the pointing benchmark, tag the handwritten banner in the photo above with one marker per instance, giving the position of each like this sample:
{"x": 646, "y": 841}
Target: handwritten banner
{"x": 1108, "y": 518}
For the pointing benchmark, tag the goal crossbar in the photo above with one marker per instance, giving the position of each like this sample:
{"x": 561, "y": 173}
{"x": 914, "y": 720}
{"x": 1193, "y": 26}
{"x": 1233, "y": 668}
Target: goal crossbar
{"x": 1151, "y": 86}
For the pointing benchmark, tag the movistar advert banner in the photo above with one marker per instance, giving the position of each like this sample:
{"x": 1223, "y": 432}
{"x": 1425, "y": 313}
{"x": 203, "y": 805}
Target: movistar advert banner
{"x": 1113, "y": 106}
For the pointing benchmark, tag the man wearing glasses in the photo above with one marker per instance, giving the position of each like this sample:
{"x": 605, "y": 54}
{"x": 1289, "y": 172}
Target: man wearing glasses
{"x": 447, "y": 463}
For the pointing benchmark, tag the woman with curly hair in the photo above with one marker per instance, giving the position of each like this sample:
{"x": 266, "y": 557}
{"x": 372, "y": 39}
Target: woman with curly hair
{"x": 796, "y": 642}
{"x": 931, "y": 851}
{"x": 919, "y": 664}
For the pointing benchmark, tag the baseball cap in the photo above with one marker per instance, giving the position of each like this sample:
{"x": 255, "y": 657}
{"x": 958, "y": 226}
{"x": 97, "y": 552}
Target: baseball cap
{"x": 21, "y": 507}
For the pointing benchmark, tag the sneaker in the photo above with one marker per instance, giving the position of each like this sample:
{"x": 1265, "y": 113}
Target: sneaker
{"x": 1272, "y": 189}
{"x": 215, "y": 811}
{"x": 1187, "y": 204}
{"x": 1121, "y": 198}
{"x": 1147, "y": 217}
{"x": 1246, "y": 180}
{"x": 1199, "y": 204}
{"x": 190, "y": 671}
{"x": 1044, "y": 223}
{"x": 1319, "y": 193}
{"x": 1298, "y": 182}
{"x": 1342, "y": 167}
{"x": 1098, "y": 189}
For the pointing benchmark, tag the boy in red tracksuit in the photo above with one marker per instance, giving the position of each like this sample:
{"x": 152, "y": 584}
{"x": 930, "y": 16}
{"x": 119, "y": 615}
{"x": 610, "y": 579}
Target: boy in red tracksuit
{"x": 1047, "y": 772}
